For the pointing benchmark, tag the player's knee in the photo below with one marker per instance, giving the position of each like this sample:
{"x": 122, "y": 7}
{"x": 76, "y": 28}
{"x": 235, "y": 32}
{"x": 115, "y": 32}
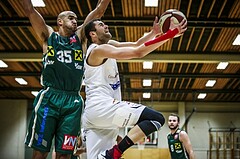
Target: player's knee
{"x": 158, "y": 120}
{"x": 156, "y": 124}
{"x": 149, "y": 127}
{"x": 152, "y": 115}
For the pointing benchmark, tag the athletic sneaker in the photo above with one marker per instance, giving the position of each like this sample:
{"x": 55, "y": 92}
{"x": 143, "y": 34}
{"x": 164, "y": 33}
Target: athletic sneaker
{"x": 113, "y": 153}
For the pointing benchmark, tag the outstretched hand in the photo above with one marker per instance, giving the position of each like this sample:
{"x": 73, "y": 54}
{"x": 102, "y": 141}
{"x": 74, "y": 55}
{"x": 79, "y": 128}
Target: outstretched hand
{"x": 174, "y": 31}
{"x": 156, "y": 26}
{"x": 182, "y": 26}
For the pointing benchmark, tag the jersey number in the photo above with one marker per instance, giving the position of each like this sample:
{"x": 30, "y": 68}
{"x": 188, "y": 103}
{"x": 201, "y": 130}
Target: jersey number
{"x": 172, "y": 149}
{"x": 64, "y": 56}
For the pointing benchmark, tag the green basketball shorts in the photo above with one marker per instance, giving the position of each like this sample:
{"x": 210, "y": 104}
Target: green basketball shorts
{"x": 56, "y": 114}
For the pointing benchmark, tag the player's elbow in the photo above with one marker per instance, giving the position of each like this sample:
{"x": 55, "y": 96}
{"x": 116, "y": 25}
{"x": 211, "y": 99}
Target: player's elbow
{"x": 141, "y": 51}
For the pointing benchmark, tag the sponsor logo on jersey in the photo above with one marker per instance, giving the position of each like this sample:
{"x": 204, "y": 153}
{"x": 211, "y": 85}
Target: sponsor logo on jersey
{"x": 50, "y": 51}
{"x": 69, "y": 142}
{"x": 115, "y": 86}
{"x": 177, "y": 146}
{"x": 48, "y": 62}
{"x": 78, "y": 55}
{"x": 175, "y": 136}
{"x": 73, "y": 39}
{"x": 79, "y": 67}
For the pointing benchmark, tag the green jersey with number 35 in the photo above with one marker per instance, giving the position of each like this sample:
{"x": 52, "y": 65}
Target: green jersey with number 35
{"x": 63, "y": 63}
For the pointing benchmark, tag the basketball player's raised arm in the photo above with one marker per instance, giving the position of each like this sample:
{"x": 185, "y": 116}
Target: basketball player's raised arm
{"x": 152, "y": 34}
{"x": 38, "y": 23}
{"x": 104, "y": 51}
{"x": 98, "y": 12}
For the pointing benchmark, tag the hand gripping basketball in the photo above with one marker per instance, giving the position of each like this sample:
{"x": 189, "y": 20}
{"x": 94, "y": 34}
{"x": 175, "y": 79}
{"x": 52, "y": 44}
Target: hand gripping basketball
{"x": 182, "y": 26}
{"x": 171, "y": 16}
{"x": 175, "y": 29}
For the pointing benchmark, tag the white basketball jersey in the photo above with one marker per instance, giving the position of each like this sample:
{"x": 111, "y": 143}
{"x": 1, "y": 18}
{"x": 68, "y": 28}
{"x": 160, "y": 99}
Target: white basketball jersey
{"x": 102, "y": 83}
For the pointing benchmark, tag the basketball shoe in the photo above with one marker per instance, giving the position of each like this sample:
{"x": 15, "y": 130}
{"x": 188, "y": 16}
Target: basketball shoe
{"x": 113, "y": 153}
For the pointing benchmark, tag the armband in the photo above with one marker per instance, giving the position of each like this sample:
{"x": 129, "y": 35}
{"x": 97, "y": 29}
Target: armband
{"x": 169, "y": 34}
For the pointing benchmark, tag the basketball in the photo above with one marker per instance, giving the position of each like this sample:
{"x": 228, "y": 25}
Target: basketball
{"x": 165, "y": 19}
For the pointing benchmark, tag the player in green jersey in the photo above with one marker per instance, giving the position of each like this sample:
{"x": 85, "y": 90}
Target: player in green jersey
{"x": 178, "y": 141}
{"x": 58, "y": 107}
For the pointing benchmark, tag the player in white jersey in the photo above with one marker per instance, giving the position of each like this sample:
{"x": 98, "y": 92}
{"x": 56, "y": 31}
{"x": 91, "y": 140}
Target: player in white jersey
{"x": 105, "y": 112}
{"x": 102, "y": 91}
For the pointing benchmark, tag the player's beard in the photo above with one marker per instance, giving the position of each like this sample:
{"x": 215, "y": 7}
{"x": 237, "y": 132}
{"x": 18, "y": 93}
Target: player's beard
{"x": 173, "y": 128}
{"x": 104, "y": 38}
{"x": 70, "y": 29}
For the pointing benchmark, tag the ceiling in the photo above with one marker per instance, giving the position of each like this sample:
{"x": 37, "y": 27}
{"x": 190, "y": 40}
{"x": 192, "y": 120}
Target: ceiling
{"x": 181, "y": 67}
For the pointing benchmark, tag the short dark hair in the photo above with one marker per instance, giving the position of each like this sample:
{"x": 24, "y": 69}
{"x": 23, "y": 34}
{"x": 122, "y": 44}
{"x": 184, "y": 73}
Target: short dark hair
{"x": 90, "y": 26}
{"x": 173, "y": 114}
